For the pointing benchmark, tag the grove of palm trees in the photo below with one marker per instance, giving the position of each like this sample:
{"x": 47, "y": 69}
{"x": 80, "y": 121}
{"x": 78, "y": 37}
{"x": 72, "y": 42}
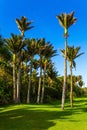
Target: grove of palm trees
{"x": 27, "y": 72}
{"x": 43, "y": 66}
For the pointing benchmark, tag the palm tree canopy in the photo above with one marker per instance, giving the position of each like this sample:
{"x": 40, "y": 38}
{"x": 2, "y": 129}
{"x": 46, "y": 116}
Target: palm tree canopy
{"x": 23, "y": 25}
{"x": 40, "y": 46}
{"x": 66, "y": 20}
{"x": 49, "y": 51}
{"x": 31, "y": 48}
{"x": 15, "y": 43}
{"x": 72, "y": 54}
{"x": 45, "y": 48}
{"x": 4, "y": 52}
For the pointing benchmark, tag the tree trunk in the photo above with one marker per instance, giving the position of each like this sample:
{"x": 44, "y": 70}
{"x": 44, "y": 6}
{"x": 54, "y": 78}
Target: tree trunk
{"x": 39, "y": 86}
{"x": 28, "y": 93}
{"x": 71, "y": 90}
{"x": 65, "y": 75}
{"x": 19, "y": 78}
{"x": 18, "y": 84}
{"x": 43, "y": 87}
{"x": 29, "y": 85}
{"x": 14, "y": 80}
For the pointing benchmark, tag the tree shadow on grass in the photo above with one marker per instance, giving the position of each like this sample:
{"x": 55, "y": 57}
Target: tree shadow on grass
{"x": 79, "y": 105}
{"x": 38, "y": 117}
{"x": 30, "y": 119}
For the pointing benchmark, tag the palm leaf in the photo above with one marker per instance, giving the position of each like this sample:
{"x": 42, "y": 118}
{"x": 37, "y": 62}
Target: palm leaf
{"x": 74, "y": 64}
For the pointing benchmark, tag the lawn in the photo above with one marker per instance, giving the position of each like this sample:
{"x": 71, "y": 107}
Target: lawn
{"x": 44, "y": 117}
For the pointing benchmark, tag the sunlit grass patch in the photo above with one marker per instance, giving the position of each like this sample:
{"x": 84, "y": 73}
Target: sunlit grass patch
{"x": 44, "y": 117}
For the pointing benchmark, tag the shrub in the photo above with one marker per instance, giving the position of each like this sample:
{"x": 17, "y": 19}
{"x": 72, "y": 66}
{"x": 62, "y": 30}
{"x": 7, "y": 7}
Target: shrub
{"x": 50, "y": 94}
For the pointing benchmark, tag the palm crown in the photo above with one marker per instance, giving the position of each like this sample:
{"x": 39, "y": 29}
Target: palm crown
{"x": 15, "y": 43}
{"x": 66, "y": 20}
{"x": 23, "y": 25}
{"x": 72, "y": 54}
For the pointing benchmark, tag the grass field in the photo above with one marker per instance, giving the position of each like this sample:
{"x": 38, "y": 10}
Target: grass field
{"x": 45, "y": 117}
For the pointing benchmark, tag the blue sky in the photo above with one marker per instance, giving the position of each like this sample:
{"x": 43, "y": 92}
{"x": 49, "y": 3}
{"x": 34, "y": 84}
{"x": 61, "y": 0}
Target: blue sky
{"x": 44, "y": 12}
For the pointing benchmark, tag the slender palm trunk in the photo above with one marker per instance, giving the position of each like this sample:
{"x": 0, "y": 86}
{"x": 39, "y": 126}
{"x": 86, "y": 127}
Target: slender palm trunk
{"x": 43, "y": 87}
{"x": 34, "y": 87}
{"x": 14, "y": 84}
{"x": 19, "y": 78}
{"x": 29, "y": 84}
{"x": 71, "y": 89}
{"x": 34, "y": 84}
{"x": 18, "y": 84}
{"x": 39, "y": 86}
{"x": 65, "y": 75}
{"x": 14, "y": 80}
{"x": 28, "y": 93}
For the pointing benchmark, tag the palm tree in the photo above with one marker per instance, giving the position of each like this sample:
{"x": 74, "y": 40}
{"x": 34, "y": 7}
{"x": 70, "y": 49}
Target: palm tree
{"x": 15, "y": 44}
{"x": 40, "y": 47}
{"x": 31, "y": 51}
{"x": 80, "y": 82}
{"x": 52, "y": 75}
{"x": 48, "y": 53}
{"x": 23, "y": 25}
{"x": 65, "y": 20}
{"x": 72, "y": 54}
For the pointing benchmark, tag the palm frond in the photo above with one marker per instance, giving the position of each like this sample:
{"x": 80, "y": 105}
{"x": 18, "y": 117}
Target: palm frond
{"x": 74, "y": 64}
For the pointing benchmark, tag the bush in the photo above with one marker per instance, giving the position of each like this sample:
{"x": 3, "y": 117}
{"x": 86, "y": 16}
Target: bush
{"x": 5, "y": 93}
{"x": 50, "y": 94}
{"x": 79, "y": 91}
{"x": 85, "y": 90}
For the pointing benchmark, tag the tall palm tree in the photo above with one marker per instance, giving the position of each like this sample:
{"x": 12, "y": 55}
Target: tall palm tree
{"x": 65, "y": 20}
{"x": 40, "y": 49}
{"x": 72, "y": 54}
{"x": 31, "y": 51}
{"x": 15, "y": 44}
{"x": 48, "y": 53}
{"x": 23, "y": 25}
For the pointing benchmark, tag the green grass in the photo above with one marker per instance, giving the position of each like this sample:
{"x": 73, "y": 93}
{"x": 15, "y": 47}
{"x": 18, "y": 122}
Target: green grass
{"x": 44, "y": 117}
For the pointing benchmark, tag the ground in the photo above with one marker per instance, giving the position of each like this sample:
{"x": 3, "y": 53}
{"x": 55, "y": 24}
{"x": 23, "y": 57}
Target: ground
{"x": 45, "y": 117}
